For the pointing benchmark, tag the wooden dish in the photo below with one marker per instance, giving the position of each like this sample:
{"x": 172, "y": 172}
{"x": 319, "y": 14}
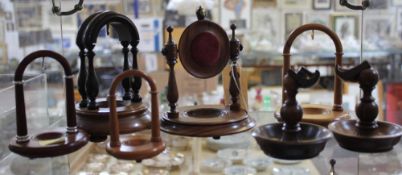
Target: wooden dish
{"x": 49, "y": 143}
{"x": 365, "y": 134}
{"x": 291, "y": 139}
{"x": 305, "y": 144}
{"x": 134, "y": 147}
{"x": 204, "y": 49}
{"x": 206, "y": 115}
{"x": 352, "y": 138}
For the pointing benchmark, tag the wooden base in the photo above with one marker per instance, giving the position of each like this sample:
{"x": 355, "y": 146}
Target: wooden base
{"x": 136, "y": 148}
{"x": 208, "y": 130}
{"x": 304, "y": 144}
{"x": 380, "y": 139}
{"x": 319, "y": 114}
{"x": 206, "y": 115}
{"x": 50, "y": 144}
{"x": 132, "y": 117}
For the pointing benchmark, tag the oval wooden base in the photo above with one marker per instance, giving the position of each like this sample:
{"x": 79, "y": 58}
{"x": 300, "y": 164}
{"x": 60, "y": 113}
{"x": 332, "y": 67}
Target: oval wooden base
{"x": 132, "y": 117}
{"x": 304, "y": 144}
{"x": 319, "y": 114}
{"x": 136, "y": 148}
{"x": 208, "y": 130}
{"x": 206, "y": 115}
{"x": 380, "y": 139}
{"x": 45, "y": 145}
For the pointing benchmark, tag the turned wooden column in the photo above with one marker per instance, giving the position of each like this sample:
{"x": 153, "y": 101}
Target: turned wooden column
{"x": 92, "y": 85}
{"x": 291, "y": 111}
{"x": 367, "y": 77}
{"x": 136, "y": 84}
{"x": 234, "y": 85}
{"x": 82, "y": 79}
{"x": 126, "y": 66}
{"x": 170, "y": 52}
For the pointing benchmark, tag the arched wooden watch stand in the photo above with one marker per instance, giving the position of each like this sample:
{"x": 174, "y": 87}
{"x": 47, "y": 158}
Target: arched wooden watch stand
{"x": 204, "y": 50}
{"x": 52, "y": 143}
{"x": 293, "y": 140}
{"x": 366, "y": 134}
{"x": 134, "y": 147}
{"x": 314, "y": 113}
{"x": 92, "y": 112}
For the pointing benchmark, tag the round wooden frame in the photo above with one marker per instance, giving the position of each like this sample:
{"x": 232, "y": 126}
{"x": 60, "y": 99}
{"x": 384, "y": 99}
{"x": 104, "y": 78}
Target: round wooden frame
{"x": 187, "y": 39}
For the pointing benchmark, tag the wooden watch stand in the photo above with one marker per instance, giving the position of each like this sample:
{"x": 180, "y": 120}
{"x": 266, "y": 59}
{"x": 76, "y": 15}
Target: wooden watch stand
{"x": 92, "y": 112}
{"x": 204, "y": 51}
{"x": 293, "y": 139}
{"x": 314, "y": 113}
{"x": 134, "y": 147}
{"x": 52, "y": 143}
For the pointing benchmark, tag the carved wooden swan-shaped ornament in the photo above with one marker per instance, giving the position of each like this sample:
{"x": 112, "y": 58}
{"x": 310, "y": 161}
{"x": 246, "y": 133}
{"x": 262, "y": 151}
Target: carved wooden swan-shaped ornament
{"x": 134, "y": 147}
{"x": 52, "y": 143}
{"x": 293, "y": 139}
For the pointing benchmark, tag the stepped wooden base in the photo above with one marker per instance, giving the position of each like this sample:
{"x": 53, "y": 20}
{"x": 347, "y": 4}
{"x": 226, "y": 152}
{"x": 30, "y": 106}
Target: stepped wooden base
{"x": 132, "y": 117}
{"x": 50, "y": 144}
{"x": 207, "y": 121}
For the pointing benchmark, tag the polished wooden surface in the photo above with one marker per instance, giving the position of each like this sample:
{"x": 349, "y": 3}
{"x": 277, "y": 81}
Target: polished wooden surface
{"x": 195, "y": 33}
{"x": 207, "y": 130}
{"x": 337, "y": 106}
{"x": 93, "y": 114}
{"x": 132, "y": 117}
{"x": 365, "y": 134}
{"x": 36, "y": 147}
{"x": 170, "y": 52}
{"x": 132, "y": 147}
{"x": 72, "y": 138}
{"x": 291, "y": 139}
{"x": 206, "y": 115}
{"x": 337, "y": 110}
{"x": 88, "y": 34}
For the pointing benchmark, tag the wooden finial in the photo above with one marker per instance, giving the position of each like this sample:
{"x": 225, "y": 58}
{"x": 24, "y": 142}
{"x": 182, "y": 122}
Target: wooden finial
{"x": 201, "y": 13}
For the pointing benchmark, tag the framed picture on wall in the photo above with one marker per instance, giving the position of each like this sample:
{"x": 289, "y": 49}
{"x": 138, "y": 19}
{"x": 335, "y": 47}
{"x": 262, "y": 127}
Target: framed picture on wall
{"x": 317, "y": 17}
{"x": 345, "y": 25}
{"x": 144, "y": 7}
{"x": 378, "y": 26}
{"x": 299, "y": 4}
{"x": 378, "y": 4}
{"x": 321, "y": 4}
{"x": 29, "y": 15}
{"x": 235, "y": 12}
{"x": 267, "y": 22}
{"x": 292, "y": 21}
{"x": 264, "y": 3}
